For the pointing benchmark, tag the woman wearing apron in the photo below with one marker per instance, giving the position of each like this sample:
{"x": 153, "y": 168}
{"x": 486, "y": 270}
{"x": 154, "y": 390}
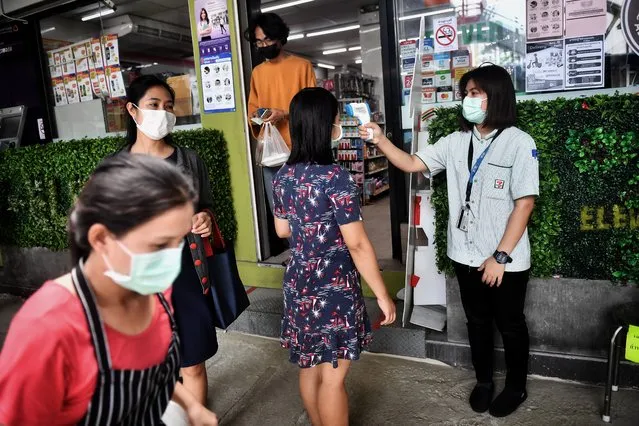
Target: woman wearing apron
{"x": 99, "y": 345}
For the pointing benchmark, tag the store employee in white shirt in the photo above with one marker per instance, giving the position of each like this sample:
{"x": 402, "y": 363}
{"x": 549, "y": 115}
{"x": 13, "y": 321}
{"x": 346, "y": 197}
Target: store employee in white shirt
{"x": 493, "y": 180}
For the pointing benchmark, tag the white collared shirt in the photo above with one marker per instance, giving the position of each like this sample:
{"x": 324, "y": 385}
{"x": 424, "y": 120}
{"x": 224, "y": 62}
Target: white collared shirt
{"x": 509, "y": 171}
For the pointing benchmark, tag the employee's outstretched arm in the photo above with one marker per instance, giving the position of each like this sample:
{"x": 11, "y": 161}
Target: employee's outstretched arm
{"x": 400, "y": 159}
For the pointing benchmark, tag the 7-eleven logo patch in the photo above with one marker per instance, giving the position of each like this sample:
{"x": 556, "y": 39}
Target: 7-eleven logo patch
{"x": 499, "y": 184}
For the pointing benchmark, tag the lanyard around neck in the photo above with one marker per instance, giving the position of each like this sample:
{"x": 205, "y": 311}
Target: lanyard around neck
{"x": 474, "y": 168}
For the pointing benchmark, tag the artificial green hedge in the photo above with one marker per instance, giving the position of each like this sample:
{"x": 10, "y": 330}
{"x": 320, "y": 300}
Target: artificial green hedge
{"x": 38, "y": 185}
{"x": 586, "y": 220}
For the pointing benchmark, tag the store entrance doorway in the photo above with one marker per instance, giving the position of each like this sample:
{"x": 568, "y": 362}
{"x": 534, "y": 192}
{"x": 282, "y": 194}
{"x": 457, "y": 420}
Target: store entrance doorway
{"x": 345, "y": 42}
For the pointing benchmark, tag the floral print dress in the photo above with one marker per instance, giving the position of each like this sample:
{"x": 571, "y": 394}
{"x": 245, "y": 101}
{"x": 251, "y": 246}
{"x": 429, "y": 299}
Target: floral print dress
{"x": 324, "y": 315}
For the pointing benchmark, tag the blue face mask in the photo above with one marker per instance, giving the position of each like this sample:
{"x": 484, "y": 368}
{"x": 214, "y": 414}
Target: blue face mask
{"x": 150, "y": 272}
{"x": 471, "y": 109}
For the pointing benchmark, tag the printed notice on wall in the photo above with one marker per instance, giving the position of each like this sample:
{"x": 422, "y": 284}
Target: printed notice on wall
{"x": 84, "y": 86}
{"x": 116, "y": 82}
{"x": 545, "y": 19}
{"x": 585, "y": 17}
{"x": 216, "y": 59}
{"x": 545, "y": 66}
{"x": 632, "y": 344}
{"x": 81, "y": 53}
{"x": 445, "y": 34}
{"x": 408, "y": 48}
{"x": 71, "y": 86}
{"x": 585, "y": 62}
{"x": 111, "y": 50}
{"x": 99, "y": 83}
{"x": 59, "y": 91}
{"x": 96, "y": 53}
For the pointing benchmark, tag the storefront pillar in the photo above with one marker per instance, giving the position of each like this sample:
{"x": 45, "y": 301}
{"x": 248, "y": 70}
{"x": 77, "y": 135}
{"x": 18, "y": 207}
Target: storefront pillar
{"x": 234, "y": 126}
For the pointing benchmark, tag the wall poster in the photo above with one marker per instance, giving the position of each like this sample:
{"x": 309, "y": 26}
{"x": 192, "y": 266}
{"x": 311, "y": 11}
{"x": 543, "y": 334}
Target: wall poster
{"x": 545, "y": 66}
{"x": 216, "y": 59}
{"x": 80, "y": 69}
{"x": 585, "y": 62}
{"x": 544, "y": 19}
{"x": 585, "y": 17}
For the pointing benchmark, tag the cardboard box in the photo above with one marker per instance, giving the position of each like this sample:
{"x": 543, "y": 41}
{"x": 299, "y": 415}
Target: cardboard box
{"x": 181, "y": 84}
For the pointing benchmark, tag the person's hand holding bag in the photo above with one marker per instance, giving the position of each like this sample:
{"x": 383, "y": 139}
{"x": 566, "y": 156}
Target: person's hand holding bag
{"x": 202, "y": 225}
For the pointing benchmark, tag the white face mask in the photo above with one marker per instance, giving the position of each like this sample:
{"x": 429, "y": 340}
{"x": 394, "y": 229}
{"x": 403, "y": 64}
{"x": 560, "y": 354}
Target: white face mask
{"x": 335, "y": 141}
{"x": 150, "y": 272}
{"x": 156, "y": 124}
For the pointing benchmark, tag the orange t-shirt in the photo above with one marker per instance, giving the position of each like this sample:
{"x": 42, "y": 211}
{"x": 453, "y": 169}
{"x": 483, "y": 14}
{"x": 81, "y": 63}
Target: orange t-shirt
{"x": 274, "y": 84}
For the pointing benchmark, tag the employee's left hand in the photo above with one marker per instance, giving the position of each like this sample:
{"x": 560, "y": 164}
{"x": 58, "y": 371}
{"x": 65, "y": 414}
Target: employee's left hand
{"x": 202, "y": 225}
{"x": 493, "y": 272}
{"x": 275, "y": 116}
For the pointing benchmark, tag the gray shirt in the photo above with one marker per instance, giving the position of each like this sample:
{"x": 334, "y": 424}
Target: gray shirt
{"x": 509, "y": 171}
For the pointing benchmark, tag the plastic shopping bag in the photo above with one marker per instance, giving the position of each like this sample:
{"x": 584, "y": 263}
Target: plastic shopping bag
{"x": 175, "y": 415}
{"x": 271, "y": 148}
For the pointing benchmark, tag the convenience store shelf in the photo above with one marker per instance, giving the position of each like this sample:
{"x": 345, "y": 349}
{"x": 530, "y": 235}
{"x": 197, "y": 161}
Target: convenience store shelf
{"x": 376, "y": 156}
{"x": 376, "y": 171}
{"x": 381, "y": 190}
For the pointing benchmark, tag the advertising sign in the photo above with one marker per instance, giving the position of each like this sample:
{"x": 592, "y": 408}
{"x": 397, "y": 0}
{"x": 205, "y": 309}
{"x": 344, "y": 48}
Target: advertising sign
{"x": 216, "y": 59}
{"x": 585, "y": 62}
{"x": 630, "y": 24}
{"x": 545, "y": 66}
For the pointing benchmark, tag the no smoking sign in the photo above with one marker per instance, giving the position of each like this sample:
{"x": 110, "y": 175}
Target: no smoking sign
{"x": 446, "y": 34}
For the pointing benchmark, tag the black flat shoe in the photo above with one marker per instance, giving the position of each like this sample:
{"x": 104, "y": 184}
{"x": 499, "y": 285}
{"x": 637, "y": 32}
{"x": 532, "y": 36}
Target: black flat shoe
{"x": 507, "y": 402}
{"x": 481, "y": 397}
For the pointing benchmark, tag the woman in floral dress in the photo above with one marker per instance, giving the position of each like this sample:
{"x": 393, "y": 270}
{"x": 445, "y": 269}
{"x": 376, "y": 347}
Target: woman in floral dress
{"x": 324, "y": 325}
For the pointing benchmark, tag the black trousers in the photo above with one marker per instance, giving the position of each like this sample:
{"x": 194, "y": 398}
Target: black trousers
{"x": 505, "y": 306}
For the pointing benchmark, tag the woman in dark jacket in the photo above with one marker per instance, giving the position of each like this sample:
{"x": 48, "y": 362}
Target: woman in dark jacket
{"x": 150, "y": 122}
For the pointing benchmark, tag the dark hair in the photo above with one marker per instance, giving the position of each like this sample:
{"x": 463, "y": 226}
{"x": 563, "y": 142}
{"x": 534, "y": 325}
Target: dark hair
{"x": 134, "y": 93}
{"x": 312, "y": 115}
{"x": 273, "y": 26}
{"x": 207, "y": 15}
{"x": 125, "y": 191}
{"x": 502, "y": 105}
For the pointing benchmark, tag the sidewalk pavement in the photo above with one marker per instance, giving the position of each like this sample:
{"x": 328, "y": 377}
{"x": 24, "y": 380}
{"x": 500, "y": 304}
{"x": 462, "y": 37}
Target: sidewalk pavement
{"x": 252, "y": 383}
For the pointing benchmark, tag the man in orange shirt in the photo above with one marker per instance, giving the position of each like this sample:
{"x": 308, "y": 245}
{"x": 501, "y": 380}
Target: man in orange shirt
{"x": 275, "y": 81}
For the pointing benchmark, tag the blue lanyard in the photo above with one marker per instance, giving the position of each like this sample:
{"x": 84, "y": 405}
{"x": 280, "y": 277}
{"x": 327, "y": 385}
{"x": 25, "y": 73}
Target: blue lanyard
{"x": 473, "y": 170}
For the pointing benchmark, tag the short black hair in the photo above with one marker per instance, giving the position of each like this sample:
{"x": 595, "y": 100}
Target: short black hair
{"x": 124, "y": 192}
{"x": 273, "y": 26}
{"x": 312, "y": 115}
{"x": 502, "y": 104}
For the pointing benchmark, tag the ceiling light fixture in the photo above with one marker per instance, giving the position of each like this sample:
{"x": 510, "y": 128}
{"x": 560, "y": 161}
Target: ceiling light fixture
{"x": 354, "y": 48}
{"x": 295, "y": 36}
{"x": 358, "y": 61}
{"x": 333, "y": 31}
{"x": 47, "y": 30}
{"x": 333, "y": 51}
{"x": 419, "y": 15}
{"x": 328, "y": 67}
{"x": 98, "y": 14}
{"x": 284, "y": 5}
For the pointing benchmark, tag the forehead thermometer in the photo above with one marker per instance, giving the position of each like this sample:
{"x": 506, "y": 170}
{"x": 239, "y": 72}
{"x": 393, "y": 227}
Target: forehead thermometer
{"x": 362, "y": 112}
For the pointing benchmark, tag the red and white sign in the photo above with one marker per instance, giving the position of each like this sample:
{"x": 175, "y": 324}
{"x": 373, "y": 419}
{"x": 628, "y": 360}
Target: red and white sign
{"x": 446, "y": 34}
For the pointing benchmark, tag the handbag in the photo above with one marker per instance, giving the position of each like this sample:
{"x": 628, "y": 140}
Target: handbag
{"x": 219, "y": 276}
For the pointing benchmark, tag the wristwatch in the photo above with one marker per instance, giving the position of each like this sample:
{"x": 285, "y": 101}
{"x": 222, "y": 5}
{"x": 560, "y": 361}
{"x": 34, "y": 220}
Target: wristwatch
{"x": 502, "y": 257}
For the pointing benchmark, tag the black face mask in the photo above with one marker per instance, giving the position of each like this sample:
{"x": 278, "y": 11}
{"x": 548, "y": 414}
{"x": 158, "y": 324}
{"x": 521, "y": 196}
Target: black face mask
{"x": 270, "y": 52}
